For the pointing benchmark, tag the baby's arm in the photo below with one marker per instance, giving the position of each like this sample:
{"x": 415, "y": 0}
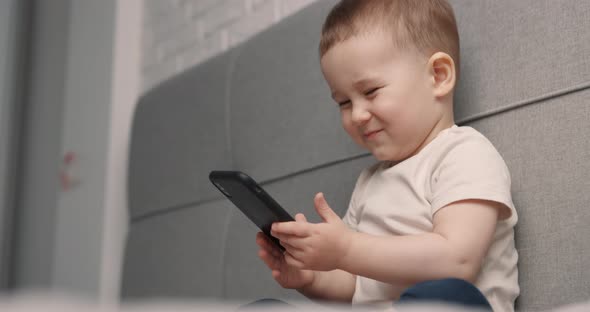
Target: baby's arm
{"x": 336, "y": 285}
{"x": 456, "y": 247}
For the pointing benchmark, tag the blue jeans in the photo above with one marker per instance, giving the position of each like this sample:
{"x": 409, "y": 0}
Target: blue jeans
{"x": 450, "y": 290}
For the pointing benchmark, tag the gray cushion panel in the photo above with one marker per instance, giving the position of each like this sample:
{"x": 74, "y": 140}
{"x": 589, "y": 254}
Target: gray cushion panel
{"x": 246, "y": 276}
{"x": 555, "y": 262}
{"x": 282, "y": 117}
{"x": 177, "y": 254}
{"x": 547, "y": 147}
{"x": 516, "y": 50}
{"x": 179, "y": 135}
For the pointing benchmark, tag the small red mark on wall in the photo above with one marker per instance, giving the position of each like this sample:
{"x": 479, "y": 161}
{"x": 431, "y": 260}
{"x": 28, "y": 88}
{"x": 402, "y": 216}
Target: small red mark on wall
{"x": 65, "y": 173}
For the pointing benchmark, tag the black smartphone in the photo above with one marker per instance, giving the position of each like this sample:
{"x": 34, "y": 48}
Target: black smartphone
{"x": 251, "y": 199}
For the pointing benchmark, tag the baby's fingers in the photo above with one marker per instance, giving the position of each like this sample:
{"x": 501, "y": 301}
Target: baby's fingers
{"x": 271, "y": 261}
{"x": 300, "y": 217}
{"x": 265, "y": 243}
{"x": 293, "y": 262}
{"x": 297, "y": 228}
{"x": 292, "y": 241}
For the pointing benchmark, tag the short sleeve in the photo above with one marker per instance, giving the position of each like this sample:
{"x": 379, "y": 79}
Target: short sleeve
{"x": 471, "y": 169}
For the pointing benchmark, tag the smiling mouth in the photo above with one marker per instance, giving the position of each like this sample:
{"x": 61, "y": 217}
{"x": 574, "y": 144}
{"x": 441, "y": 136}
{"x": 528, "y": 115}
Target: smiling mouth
{"x": 371, "y": 134}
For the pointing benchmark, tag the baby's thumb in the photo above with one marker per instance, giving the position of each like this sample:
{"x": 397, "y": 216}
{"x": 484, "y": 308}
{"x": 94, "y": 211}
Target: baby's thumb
{"x": 323, "y": 209}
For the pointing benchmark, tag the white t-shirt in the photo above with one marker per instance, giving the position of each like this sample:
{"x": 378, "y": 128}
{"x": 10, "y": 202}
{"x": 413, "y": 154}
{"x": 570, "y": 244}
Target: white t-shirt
{"x": 401, "y": 199}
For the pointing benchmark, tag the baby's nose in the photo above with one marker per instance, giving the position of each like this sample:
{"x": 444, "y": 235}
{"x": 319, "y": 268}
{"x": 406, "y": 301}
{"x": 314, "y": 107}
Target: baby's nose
{"x": 360, "y": 115}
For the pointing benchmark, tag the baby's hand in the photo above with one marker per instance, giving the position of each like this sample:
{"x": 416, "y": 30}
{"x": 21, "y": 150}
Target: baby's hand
{"x": 318, "y": 246}
{"x": 286, "y": 275}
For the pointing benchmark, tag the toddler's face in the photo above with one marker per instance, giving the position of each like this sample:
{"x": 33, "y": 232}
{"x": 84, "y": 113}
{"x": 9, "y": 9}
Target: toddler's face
{"x": 385, "y": 96}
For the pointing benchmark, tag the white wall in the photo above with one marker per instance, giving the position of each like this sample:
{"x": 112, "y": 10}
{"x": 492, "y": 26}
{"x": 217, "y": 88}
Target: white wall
{"x": 84, "y": 88}
{"x": 124, "y": 95}
{"x": 101, "y": 92}
{"x": 181, "y": 33}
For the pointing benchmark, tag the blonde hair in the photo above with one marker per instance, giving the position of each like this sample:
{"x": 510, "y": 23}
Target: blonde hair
{"x": 427, "y": 25}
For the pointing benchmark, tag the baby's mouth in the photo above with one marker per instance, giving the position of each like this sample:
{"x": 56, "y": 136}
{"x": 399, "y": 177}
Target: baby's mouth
{"x": 371, "y": 134}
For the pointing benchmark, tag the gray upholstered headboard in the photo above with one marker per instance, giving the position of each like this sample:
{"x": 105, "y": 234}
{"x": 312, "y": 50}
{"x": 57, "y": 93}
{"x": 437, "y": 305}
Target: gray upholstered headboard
{"x": 264, "y": 108}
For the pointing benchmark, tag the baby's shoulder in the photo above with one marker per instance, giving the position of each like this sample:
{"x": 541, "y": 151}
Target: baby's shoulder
{"x": 465, "y": 134}
{"x": 467, "y": 150}
{"x": 463, "y": 140}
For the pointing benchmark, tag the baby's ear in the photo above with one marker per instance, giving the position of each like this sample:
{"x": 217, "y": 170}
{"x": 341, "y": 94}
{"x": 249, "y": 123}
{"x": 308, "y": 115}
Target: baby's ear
{"x": 442, "y": 70}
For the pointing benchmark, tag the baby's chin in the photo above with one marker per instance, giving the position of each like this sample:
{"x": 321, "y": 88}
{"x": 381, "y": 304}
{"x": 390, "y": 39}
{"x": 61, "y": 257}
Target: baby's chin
{"x": 391, "y": 155}
{"x": 384, "y": 152}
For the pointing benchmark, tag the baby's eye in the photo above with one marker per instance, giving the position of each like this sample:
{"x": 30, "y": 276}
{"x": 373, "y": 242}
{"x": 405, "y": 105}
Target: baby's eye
{"x": 371, "y": 91}
{"x": 343, "y": 103}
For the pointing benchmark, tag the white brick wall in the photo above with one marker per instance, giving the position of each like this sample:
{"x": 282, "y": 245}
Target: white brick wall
{"x": 178, "y": 34}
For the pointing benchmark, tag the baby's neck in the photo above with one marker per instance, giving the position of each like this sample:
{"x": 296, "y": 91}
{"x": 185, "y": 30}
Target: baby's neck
{"x": 444, "y": 122}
